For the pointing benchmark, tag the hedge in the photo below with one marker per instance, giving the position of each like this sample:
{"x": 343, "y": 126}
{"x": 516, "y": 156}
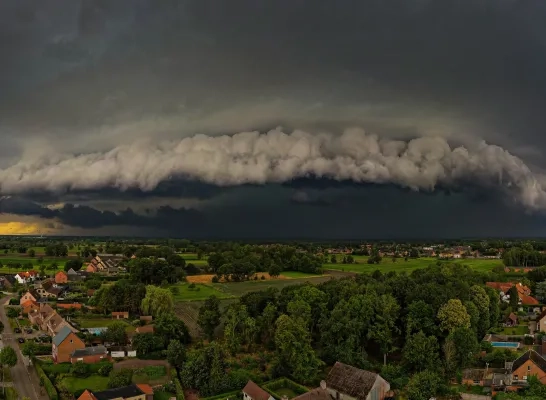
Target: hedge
{"x": 177, "y": 385}
{"x": 270, "y": 387}
{"x": 50, "y": 389}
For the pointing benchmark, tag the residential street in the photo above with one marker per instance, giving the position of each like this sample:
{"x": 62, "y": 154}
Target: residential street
{"x": 25, "y": 380}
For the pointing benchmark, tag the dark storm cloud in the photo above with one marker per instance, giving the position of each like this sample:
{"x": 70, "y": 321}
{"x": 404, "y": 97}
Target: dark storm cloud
{"x": 82, "y": 82}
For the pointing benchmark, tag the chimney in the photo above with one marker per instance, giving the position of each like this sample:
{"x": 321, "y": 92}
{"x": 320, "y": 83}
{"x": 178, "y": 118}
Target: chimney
{"x": 323, "y": 385}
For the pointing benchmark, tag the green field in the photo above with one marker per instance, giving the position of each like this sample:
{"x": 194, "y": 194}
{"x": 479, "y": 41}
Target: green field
{"x": 236, "y": 289}
{"x": 412, "y": 264}
{"x": 516, "y": 330}
{"x": 199, "y": 292}
{"x": 23, "y": 260}
{"x": 191, "y": 258}
{"x": 95, "y": 382}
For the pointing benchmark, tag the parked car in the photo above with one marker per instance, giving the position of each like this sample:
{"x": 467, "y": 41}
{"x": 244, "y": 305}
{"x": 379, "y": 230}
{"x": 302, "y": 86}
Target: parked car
{"x": 28, "y": 330}
{"x": 21, "y": 340}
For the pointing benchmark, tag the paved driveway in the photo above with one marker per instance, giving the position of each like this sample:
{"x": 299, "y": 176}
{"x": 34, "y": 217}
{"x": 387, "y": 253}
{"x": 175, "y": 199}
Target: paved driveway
{"x": 25, "y": 380}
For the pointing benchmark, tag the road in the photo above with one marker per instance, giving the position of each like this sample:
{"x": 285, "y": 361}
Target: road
{"x": 24, "y": 378}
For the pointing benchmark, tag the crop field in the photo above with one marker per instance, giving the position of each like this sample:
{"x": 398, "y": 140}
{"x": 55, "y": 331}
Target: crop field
{"x": 191, "y": 258}
{"x": 412, "y": 264}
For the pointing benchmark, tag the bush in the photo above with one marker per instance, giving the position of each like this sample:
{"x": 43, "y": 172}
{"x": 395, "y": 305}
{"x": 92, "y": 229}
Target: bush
{"x": 105, "y": 369}
{"x": 191, "y": 286}
{"x": 215, "y": 279}
{"x": 178, "y": 386}
{"x": 12, "y": 312}
{"x": 120, "y": 378}
{"x": 80, "y": 370}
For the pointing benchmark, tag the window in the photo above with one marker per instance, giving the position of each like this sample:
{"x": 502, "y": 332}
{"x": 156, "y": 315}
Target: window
{"x": 71, "y": 341}
{"x": 528, "y": 368}
{"x": 476, "y": 382}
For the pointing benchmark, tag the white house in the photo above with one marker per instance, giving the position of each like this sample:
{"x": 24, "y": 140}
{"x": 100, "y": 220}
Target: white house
{"x": 26, "y": 277}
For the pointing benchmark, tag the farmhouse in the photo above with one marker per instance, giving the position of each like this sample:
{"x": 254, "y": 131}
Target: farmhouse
{"x": 64, "y": 344}
{"x": 26, "y": 277}
{"x": 251, "y": 391}
{"x": 89, "y": 355}
{"x": 61, "y": 277}
{"x": 131, "y": 392}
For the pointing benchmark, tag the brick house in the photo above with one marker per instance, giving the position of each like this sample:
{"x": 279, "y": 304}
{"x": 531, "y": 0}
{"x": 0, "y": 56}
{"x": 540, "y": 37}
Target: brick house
{"x": 61, "y": 277}
{"x": 529, "y": 364}
{"x": 474, "y": 377}
{"x": 30, "y": 295}
{"x": 64, "y": 344}
{"x": 120, "y": 315}
{"x": 89, "y": 355}
{"x": 132, "y": 392}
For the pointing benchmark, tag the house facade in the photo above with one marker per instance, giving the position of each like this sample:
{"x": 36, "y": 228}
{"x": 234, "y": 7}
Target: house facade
{"x": 541, "y": 321}
{"x": 30, "y": 295}
{"x": 529, "y": 364}
{"x": 64, "y": 344}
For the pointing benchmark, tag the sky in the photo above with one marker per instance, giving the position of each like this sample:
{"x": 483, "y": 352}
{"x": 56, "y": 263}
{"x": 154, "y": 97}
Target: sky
{"x": 286, "y": 119}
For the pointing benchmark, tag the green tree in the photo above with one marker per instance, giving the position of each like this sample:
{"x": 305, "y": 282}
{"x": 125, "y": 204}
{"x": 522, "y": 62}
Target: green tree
{"x": 465, "y": 344}
{"x": 420, "y": 317}
{"x": 421, "y": 352}
{"x": 169, "y": 327}
{"x": 157, "y": 301}
{"x": 80, "y": 369}
{"x": 8, "y": 358}
{"x": 514, "y": 297}
{"x": 146, "y": 343}
{"x": 209, "y": 316}
{"x": 116, "y": 333}
{"x": 12, "y": 312}
{"x": 541, "y": 291}
{"x": 29, "y": 348}
{"x": 293, "y": 349}
{"x": 383, "y": 327}
{"x": 453, "y": 315}
{"x": 423, "y": 386}
{"x": 176, "y": 353}
{"x": 31, "y": 253}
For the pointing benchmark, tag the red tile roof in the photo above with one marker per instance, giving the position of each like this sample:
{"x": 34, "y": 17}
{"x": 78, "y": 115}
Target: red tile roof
{"x": 255, "y": 392}
{"x": 146, "y": 389}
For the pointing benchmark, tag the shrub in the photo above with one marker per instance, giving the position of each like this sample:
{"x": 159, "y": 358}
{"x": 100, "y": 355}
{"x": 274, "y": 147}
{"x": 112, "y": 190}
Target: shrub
{"x": 215, "y": 279}
{"x": 12, "y": 312}
{"x": 105, "y": 369}
{"x": 191, "y": 286}
{"x": 120, "y": 378}
{"x": 46, "y": 383}
{"x": 178, "y": 386}
{"x": 80, "y": 370}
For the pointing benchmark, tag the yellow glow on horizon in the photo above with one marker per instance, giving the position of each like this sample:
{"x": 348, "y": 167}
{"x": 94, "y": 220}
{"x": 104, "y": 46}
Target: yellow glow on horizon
{"x": 19, "y": 228}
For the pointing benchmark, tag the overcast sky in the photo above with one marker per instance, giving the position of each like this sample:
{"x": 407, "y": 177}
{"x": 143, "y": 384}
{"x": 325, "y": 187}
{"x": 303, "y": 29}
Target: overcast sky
{"x": 273, "y": 119}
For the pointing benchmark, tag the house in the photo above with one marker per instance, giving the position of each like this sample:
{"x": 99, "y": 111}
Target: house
{"x": 74, "y": 276}
{"x": 37, "y": 316}
{"x": 56, "y": 323}
{"x": 89, "y": 355}
{"x": 345, "y": 381}
{"x": 107, "y": 263}
{"x": 47, "y": 288}
{"x": 61, "y": 277}
{"x": 26, "y": 277}
{"x": 132, "y": 392}
{"x": 91, "y": 268}
{"x": 529, "y": 364}
{"x": 511, "y": 320}
{"x": 64, "y": 344}
{"x": 524, "y": 292}
{"x": 146, "y": 318}
{"x": 120, "y": 315}
{"x": 6, "y": 282}
{"x": 541, "y": 321}
{"x": 251, "y": 391}
{"x": 30, "y": 295}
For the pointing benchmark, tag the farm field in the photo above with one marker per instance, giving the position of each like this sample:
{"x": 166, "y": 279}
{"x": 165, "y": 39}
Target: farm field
{"x": 412, "y": 264}
{"x": 191, "y": 258}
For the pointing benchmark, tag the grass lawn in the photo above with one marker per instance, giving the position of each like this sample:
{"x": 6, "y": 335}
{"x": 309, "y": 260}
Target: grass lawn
{"x": 516, "y": 330}
{"x": 199, "y": 292}
{"x": 24, "y": 322}
{"x": 298, "y": 274}
{"x": 95, "y": 382}
{"x": 162, "y": 395}
{"x": 412, "y": 264}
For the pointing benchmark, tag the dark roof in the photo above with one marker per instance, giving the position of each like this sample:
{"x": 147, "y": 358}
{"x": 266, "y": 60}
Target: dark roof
{"x": 534, "y": 357}
{"x": 315, "y": 394}
{"x": 351, "y": 381}
{"x": 62, "y": 335}
{"x": 474, "y": 374}
{"x": 54, "y": 290}
{"x": 124, "y": 392}
{"x": 255, "y": 392}
{"x": 89, "y": 351}
{"x": 513, "y": 317}
{"x": 72, "y": 272}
